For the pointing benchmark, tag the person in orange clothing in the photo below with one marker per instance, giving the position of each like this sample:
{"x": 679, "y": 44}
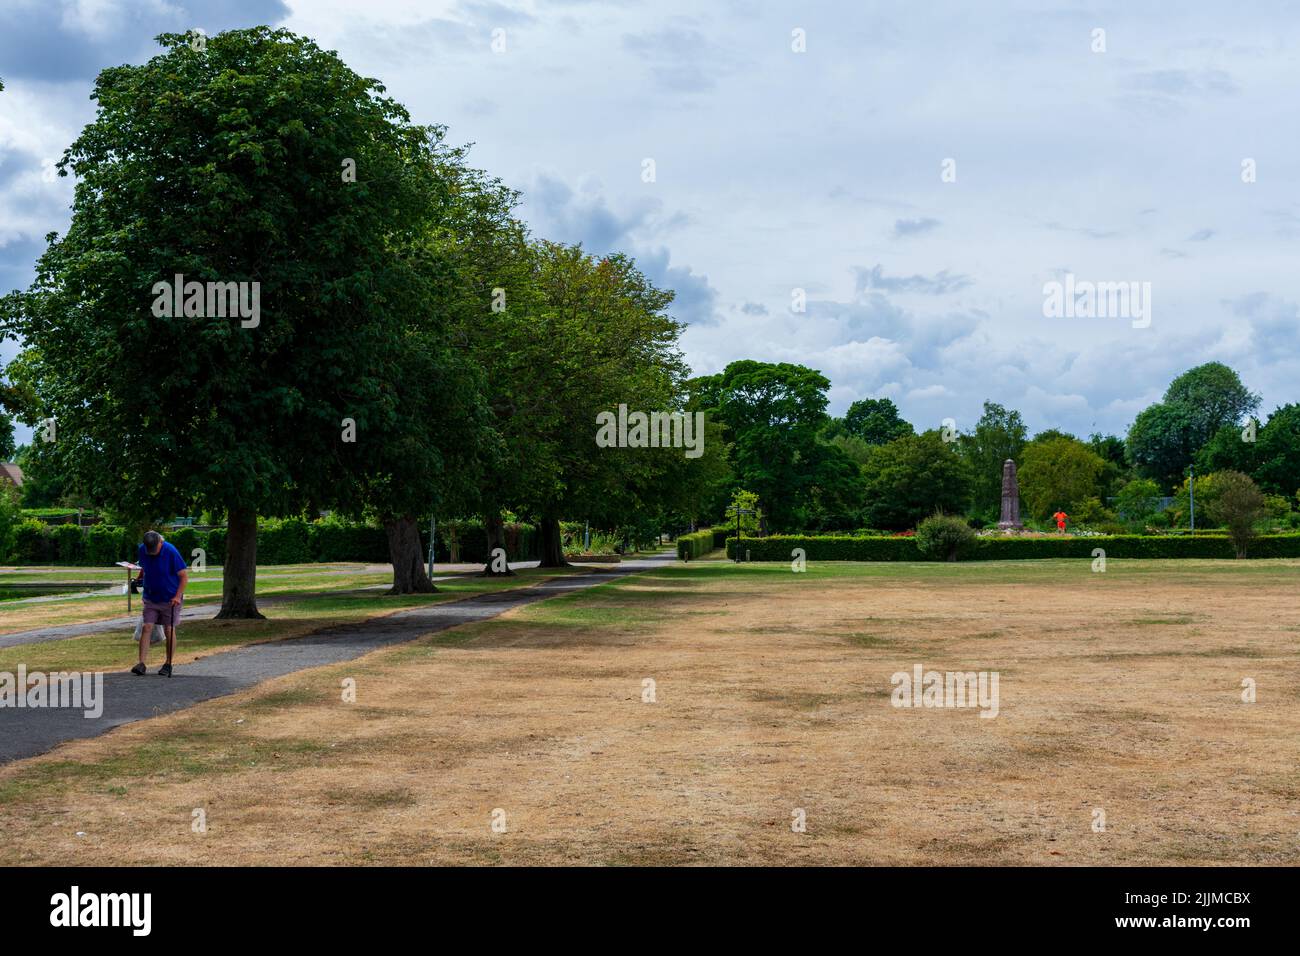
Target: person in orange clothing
{"x": 1061, "y": 517}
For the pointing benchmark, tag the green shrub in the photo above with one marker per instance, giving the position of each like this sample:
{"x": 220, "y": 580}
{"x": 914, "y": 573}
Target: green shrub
{"x": 11, "y": 515}
{"x": 1091, "y": 512}
{"x": 283, "y": 541}
{"x": 944, "y": 537}
{"x": 216, "y": 546}
{"x": 185, "y": 540}
{"x": 332, "y": 539}
{"x": 1239, "y": 506}
{"x": 695, "y": 545}
{"x": 69, "y": 544}
{"x": 107, "y": 544}
{"x": 1137, "y": 500}
{"x": 32, "y": 543}
{"x": 1160, "y": 519}
{"x": 1279, "y": 508}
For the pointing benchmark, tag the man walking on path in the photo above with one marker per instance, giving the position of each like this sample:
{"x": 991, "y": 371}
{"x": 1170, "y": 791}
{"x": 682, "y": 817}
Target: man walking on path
{"x": 165, "y": 576}
{"x": 1061, "y": 518}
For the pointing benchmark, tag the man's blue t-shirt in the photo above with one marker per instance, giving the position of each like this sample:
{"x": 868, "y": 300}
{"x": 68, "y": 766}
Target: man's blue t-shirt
{"x": 161, "y": 572}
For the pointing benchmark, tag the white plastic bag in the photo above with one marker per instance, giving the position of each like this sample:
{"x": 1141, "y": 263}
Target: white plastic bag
{"x": 157, "y": 637}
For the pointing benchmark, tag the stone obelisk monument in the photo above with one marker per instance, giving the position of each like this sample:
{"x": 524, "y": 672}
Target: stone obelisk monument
{"x": 1010, "y": 497}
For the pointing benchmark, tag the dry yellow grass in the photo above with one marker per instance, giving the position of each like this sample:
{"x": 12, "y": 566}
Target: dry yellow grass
{"x": 1119, "y": 691}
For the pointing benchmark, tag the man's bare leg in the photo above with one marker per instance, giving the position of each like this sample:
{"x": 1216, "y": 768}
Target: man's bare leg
{"x": 146, "y": 631}
{"x": 171, "y": 642}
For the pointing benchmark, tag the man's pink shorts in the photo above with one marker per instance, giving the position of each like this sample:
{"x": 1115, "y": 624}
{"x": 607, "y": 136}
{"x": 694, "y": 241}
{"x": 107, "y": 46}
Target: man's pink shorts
{"x": 164, "y": 613}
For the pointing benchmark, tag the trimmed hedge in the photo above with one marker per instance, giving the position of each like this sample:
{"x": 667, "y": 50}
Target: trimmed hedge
{"x": 695, "y": 545}
{"x": 285, "y": 541}
{"x": 33, "y": 543}
{"x": 831, "y": 548}
{"x": 330, "y": 537}
{"x": 279, "y": 541}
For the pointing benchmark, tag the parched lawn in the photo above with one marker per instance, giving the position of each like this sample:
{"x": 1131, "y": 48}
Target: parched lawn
{"x": 1120, "y": 698}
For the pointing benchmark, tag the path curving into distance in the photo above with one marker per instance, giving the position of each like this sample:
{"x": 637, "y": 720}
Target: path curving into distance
{"x": 27, "y": 732}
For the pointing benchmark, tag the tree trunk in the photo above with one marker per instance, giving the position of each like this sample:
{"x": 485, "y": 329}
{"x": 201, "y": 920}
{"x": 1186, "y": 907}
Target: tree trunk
{"x": 407, "y": 555}
{"x": 239, "y": 569}
{"x": 496, "y": 538}
{"x": 552, "y": 547}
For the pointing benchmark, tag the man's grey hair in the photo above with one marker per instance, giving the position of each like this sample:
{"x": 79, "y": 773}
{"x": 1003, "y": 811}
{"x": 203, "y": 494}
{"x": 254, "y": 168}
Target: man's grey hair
{"x": 151, "y": 541}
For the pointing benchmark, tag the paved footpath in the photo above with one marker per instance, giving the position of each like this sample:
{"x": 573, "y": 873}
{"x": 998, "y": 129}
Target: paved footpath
{"x": 198, "y": 612}
{"x": 127, "y": 698}
{"x": 126, "y": 624}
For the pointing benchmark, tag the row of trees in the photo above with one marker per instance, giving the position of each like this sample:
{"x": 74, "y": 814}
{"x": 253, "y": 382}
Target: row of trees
{"x": 870, "y": 468}
{"x": 415, "y": 351}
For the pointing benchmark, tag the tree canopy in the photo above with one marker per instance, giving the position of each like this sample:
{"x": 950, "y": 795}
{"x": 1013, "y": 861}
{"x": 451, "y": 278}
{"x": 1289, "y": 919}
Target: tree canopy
{"x": 999, "y": 434}
{"x": 278, "y": 294}
{"x": 913, "y": 477}
{"x": 1165, "y": 438}
{"x": 1058, "y": 473}
{"x": 225, "y": 166}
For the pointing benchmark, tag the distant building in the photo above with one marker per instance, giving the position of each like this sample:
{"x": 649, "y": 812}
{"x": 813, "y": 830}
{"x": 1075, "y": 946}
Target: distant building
{"x": 11, "y": 473}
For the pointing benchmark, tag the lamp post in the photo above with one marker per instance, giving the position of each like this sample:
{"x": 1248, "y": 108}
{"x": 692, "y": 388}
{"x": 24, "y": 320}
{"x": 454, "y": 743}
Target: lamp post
{"x": 740, "y": 511}
{"x": 433, "y": 528}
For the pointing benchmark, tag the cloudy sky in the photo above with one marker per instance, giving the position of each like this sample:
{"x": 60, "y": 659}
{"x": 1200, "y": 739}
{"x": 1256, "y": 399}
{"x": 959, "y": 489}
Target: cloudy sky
{"x": 1103, "y": 140}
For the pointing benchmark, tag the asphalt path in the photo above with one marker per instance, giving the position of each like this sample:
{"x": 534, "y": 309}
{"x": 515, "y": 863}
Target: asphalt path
{"x": 26, "y": 732}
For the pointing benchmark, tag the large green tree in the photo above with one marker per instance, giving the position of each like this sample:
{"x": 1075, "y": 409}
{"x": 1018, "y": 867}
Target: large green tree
{"x": 489, "y": 285}
{"x": 1212, "y": 395}
{"x": 913, "y": 477}
{"x": 876, "y": 421}
{"x": 998, "y": 435}
{"x": 436, "y": 446}
{"x": 1165, "y": 438}
{"x": 1277, "y": 452}
{"x": 563, "y": 336}
{"x": 1269, "y": 453}
{"x": 772, "y": 413}
{"x": 43, "y": 486}
{"x": 1058, "y": 472}
{"x": 1160, "y": 444}
{"x": 610, "y": 342}
{"x": 8, "y": 447}
{"x": 1110, "y": 449}
{"x": 836, "y": 491}
{"x": 228, "y": 164}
